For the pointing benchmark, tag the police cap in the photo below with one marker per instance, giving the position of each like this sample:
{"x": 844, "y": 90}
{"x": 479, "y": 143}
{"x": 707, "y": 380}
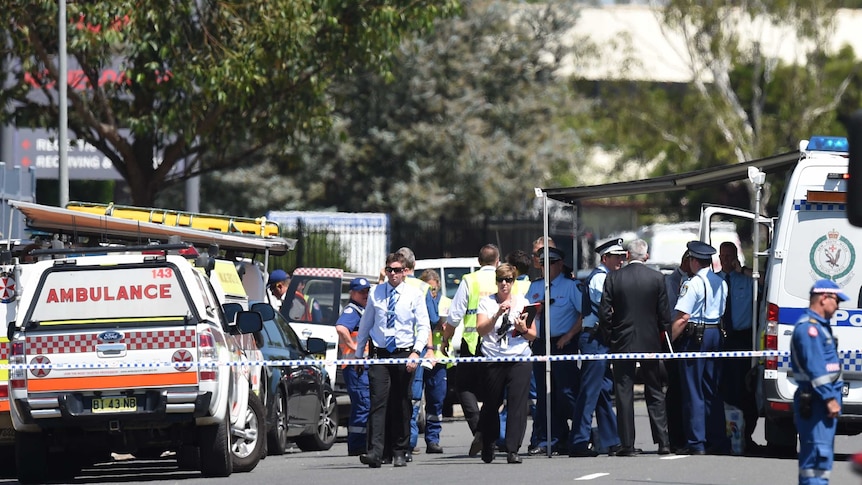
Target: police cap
{"x": 359, "y": 284}
{"x": 613, "y": 246}
{"x": 700, "y": 250}
{"x": 554, "y": 254}
{"x": 829, "y": 286}
{"x": 277, "y": 276}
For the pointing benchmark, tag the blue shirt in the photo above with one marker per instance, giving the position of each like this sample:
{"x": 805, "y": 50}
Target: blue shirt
{"x": 430, "y": 304}
{"x": 411, "y": 327}
{"x": 597, "y": 285}
{"x": 565, "y": 305}
{"x": 350, "y": 317}
{"x": 740, "y": 290}
{"x": 701, "y": 305}
{"x": 814, "y": 358}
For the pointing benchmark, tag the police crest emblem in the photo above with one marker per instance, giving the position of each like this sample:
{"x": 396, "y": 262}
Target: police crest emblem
{"x": 832, "y": 256}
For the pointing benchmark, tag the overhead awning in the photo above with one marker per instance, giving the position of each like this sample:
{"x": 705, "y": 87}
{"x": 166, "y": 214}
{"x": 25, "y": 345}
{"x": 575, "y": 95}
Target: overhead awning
{"x": 668, "y": 183}
{"x": 58, "y": 220}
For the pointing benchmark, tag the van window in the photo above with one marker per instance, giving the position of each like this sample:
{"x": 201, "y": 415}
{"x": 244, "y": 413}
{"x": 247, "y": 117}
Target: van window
{"x": 312, "y": 300}
{"x": 821, "y": 245}
{"x": 452, "y": 278}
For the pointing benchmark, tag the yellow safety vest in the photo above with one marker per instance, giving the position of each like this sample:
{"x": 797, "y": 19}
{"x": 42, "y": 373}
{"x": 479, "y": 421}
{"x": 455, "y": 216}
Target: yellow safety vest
{"x": 521, "y": 287}
{"x": 437, "y": 335}
{"x": 481, "y": 284}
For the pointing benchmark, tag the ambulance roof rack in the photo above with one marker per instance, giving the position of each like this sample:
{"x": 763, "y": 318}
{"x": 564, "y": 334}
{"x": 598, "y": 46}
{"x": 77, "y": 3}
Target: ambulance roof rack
{"x": 206, "y": 222}
{"x": 111, "y": 249}
{"x": 58, "y": 220}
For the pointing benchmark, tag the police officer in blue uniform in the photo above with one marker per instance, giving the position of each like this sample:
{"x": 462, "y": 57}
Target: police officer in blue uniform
{"x": 565, "y": 324}
{"x": 697, "y": 324}
{"x": 815, "y": 364}
{"x": 596, "y": 379}
{"x": 355, "y": 381}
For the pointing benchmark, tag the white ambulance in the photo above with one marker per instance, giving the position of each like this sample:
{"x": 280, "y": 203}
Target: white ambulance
{"x": 124, "y": 352}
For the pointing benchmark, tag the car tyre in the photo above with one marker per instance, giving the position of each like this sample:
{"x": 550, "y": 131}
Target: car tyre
{"x": 215, "y": 451}
{"x": 31, "y": 457}
{"x": 277, "y": 434}
{"x": 247, "y": 444}
{"x": 327, "y": 425}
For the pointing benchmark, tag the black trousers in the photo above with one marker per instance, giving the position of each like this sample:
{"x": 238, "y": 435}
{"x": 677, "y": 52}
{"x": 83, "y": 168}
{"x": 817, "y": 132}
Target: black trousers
{"x": 469, "y": 383}
{"x": 735, "y": 388}
{"x": 673, "y": 404}
{"x": 391, "y": 406}
{"x": 512, "y": 380}
{"x": 624, "y": 379}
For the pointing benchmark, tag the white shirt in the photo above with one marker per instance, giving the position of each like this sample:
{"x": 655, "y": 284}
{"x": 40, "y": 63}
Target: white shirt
{"x": 505, "y": 345}
{"x": 458, "y": 308}
{"x": 411, "y": 328}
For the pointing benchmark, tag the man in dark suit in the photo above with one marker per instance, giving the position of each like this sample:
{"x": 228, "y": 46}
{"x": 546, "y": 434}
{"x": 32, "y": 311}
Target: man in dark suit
{"x": 633, "y": 315}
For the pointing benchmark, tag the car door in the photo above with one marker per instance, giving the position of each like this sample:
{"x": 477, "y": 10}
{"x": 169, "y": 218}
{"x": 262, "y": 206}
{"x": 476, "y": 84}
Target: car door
{"x": 305, "y": 378}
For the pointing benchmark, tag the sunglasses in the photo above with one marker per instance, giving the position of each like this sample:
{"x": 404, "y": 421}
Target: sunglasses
{"x": 507, "y": 280}
{"x": 390, "y": 269}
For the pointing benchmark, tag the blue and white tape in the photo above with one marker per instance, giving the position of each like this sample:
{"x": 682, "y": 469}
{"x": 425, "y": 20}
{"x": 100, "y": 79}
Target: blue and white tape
{"x": 783, "y": 354}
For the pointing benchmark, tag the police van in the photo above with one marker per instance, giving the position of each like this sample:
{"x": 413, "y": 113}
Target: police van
{"x": 809, "y": 240}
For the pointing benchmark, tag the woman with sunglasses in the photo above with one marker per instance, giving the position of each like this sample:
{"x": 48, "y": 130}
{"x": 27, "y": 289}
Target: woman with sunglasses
{"x": 502, "y": 324}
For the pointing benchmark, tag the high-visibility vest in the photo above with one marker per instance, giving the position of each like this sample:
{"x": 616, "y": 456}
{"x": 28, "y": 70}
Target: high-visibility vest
{"x": 481, "y": 284}
{"x": 521, "y": 287}
{"x": 346, "y": 351}
{"x": 437, "y": 334}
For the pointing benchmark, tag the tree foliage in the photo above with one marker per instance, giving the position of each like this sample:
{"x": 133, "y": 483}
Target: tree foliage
{"x": 742, "y": 102}
{"x": 206, "y": 84}
{"x": 472, "y": 119}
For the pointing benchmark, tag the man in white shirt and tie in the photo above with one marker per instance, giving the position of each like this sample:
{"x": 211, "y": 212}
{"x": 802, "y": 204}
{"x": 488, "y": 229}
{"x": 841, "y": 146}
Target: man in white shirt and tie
{"x": 396, "y": 322}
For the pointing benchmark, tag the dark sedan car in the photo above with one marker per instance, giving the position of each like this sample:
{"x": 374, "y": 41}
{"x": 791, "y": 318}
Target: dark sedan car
{"x": 300, "y": 405}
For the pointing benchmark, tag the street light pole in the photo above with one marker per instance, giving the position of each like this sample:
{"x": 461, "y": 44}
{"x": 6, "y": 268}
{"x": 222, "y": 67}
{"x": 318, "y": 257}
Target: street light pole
{"x": 63, "y": 141}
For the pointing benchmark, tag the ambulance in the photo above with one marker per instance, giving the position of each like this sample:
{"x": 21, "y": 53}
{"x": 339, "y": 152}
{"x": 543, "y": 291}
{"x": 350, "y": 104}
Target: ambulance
{"x": 809, "y": 240}
{"x": 166, "y": 363}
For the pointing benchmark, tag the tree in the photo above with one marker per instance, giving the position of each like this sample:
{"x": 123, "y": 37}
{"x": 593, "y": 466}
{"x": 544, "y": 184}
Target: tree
{"x": 742, "y": 102}
{"x": 205, "y": 84}
{"x": 472, "y": 119}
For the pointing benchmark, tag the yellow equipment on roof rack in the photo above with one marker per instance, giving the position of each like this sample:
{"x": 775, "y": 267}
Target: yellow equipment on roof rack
{"x": 207, "y": 222}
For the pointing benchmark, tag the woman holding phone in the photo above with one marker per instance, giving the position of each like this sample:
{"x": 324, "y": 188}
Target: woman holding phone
{"x": 502, "y": 323}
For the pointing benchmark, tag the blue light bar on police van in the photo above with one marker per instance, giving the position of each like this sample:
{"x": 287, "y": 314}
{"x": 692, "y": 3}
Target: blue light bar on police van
{"x": 828, "y": 144}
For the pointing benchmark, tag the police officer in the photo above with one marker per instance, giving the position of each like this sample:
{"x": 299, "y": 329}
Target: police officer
{"x": 739, "y": 331}
{"x": 277, "y": 287}
{"x": 815, "y": 364}
{"x": 698, "y": 326}
{"x": 356, "y": 381}
{"x": 565, "y": 324}
{"x": 596, "y": 378}
{"x": 463, "y": 311}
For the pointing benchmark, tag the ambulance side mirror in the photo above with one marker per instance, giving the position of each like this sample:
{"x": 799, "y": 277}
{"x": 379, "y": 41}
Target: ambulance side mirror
{"x": 853, "y": 123}
{"x": 10, "y": 330}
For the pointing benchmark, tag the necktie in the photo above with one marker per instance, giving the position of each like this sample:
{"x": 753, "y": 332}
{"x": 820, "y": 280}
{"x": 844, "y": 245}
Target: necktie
{"x": 390, "y": 320}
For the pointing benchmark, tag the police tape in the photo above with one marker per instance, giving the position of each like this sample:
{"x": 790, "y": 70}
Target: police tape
{"x": 185, "y": 365}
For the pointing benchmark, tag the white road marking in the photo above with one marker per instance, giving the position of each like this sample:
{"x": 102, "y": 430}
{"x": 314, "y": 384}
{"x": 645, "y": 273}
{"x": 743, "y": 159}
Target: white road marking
{"x": 673, "y": 457}
{"x": 592, "y": 476}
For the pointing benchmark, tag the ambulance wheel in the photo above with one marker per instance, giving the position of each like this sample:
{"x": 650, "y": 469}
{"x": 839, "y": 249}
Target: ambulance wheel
{"x": 214, "y": 445}
{"x": 277, "y": 434}
{"x": 247, "y": 443}
{"x": 31, "y": 457}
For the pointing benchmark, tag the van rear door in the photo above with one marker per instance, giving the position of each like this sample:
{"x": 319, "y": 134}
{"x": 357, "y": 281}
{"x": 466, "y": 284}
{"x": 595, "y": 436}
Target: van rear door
{"x": 108, "y": 325}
